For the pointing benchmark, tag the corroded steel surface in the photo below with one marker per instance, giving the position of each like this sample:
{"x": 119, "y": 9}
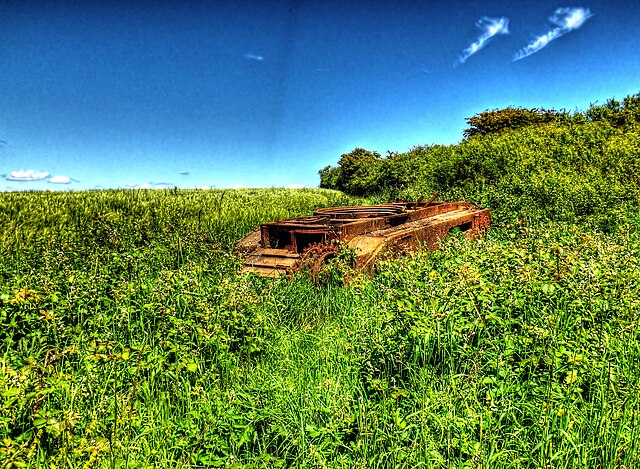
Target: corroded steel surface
{"x": 291, "y": 245}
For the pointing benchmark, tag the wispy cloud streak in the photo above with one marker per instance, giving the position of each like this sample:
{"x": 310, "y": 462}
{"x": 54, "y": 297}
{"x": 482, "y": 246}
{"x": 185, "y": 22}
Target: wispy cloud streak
{"x": 490, "y": 27}
{"x": 256, "y": 57}
{"x": 566, "y": 20}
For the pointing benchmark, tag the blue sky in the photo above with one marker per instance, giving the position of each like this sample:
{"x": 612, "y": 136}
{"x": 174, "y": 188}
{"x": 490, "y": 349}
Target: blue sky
{"x": 266, "y": 93}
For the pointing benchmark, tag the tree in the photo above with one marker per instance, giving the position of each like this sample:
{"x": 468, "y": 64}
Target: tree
{"x": 329, "y": 176}
{"x": 615, "y": 112}
{"x": 359, "y": 171}
{"x": 498, "y": 120}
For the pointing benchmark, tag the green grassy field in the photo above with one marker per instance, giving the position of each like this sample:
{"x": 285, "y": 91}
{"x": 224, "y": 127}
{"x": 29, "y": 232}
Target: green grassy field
{"x": 128, "y": 339}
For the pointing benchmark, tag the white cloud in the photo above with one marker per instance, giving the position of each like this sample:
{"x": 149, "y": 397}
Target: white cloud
{"x": 203, "y": 187}
{"x": 238, "y": 186}
{"x": 295, "y": 186}
{"x": 60, "y": 180}
{"x": 489, "y": 27}
{"x": 27, "y": 175}
{"x": 256, "y": 57}
{"x": 566, "y": 20}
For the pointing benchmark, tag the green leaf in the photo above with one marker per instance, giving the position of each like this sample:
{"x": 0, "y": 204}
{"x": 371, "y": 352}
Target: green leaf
{"x": 40, "y": 422}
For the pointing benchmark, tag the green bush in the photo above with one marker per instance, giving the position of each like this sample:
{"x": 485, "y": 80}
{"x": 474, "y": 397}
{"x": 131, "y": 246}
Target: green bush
{"x": 540, "y": 165}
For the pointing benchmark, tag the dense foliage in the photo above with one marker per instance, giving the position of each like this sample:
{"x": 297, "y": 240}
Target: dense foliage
{"x": 613, "y": 112}
{"x": 616, "y": 113}
{"x": 522, "y": 163}
{"x": 495, "y": 121}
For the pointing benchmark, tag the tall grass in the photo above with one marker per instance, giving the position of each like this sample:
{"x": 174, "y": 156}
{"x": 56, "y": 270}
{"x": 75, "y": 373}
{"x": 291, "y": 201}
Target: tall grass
{"x": 129, "y": 339}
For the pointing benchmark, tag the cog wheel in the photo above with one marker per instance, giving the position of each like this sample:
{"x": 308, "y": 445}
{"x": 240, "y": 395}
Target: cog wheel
{"x": 313, "y": 258}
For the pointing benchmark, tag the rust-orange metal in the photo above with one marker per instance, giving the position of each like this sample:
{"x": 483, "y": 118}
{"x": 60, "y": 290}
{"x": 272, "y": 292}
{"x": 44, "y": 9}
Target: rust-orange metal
{"x": 370, "y": 231}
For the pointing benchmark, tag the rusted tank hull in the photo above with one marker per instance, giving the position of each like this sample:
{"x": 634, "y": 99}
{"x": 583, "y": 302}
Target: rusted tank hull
{"x": 279, "y": 248}
{"x": 425, "y": 233}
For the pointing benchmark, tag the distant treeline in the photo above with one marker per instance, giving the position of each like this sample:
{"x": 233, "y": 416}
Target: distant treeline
{"x": 520, "y": 162}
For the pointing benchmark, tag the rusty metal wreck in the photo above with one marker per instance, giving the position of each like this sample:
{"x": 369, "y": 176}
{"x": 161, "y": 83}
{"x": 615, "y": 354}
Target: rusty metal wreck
{"x": 306, "y": 243}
